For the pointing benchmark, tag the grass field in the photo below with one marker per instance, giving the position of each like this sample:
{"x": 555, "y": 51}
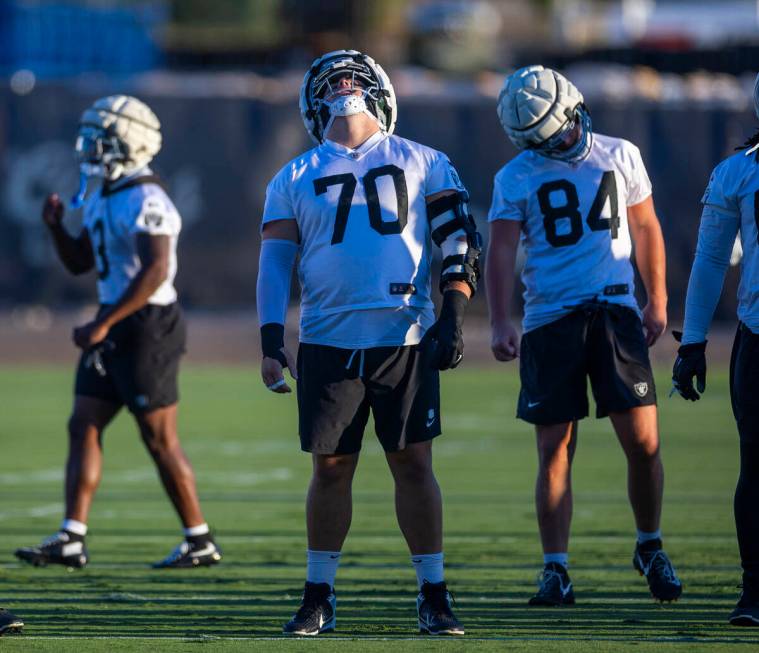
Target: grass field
{"x": 252, "y": 477}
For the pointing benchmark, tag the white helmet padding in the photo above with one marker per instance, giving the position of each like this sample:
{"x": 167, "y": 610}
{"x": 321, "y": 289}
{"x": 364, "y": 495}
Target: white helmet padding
{"x": 118, "y": 135}
{"x": 538, "y": 107}
{"x": 319, "y": 83}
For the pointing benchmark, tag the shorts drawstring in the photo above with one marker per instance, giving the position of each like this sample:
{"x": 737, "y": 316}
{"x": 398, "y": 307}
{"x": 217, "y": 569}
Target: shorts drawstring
{"x": 361, "y": 353}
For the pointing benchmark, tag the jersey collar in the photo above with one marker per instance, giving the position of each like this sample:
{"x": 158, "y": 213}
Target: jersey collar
{"x": 359, "y": 152}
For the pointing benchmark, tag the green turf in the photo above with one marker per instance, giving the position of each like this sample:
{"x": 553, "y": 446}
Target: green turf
{"x": 252, "y": 478}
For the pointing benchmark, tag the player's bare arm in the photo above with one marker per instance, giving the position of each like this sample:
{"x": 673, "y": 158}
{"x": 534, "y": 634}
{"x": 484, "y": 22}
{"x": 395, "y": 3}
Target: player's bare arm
{"x": 272, "y": 369}
{"x": 153, "y": 252}
{"x": 74, "y": 252}
{"x": 646, "y": 233}
{"x": 499, "y": 282}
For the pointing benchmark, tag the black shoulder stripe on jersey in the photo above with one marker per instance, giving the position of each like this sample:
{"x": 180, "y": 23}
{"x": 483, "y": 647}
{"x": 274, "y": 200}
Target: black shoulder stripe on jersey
{"x": 454, "y": 259}
{"x": 108, "y": 189}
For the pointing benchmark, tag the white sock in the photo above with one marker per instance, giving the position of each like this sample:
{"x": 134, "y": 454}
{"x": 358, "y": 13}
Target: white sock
{"x": 322, "y": 566}
{"x": 644, "y": 536}
{"x": 428, "y": 567}
{"x": 560, "y": 558}
{"x": 194, "y": 531}
{"x": 74, "y": 526}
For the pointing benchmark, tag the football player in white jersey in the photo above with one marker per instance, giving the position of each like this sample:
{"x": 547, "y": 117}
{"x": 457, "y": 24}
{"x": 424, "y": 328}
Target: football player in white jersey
{"x": 361, "y": 210}
{"x": 731, "y": 207}
{"x": 131, "y": 349}
{"x": 575, "y": 198}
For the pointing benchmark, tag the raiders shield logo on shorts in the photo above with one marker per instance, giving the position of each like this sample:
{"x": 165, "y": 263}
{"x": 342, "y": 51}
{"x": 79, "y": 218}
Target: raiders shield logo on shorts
{"x": 641, "y": 389}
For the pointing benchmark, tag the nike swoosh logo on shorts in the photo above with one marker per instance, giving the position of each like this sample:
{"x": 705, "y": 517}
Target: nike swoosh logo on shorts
{"x": 532, "y": 404}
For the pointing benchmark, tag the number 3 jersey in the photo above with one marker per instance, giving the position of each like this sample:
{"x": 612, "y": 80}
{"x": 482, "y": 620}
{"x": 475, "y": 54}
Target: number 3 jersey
{"x": 365, "y": 246}
{"x": 113, "y": 219}
{"x": 574, "y": 225}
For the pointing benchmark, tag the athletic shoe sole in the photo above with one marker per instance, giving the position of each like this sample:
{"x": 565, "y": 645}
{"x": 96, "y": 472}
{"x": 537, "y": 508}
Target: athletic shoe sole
{"x": 195, "y": 563}
{"x": 326, "y": 628}
{"x": 425, "y": 630}
{"x": 744, "y": 620}
{"x": 14, "y": 628}
{"x": 39, "y": 560}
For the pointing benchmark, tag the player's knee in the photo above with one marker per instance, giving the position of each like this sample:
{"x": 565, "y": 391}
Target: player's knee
{"x": 644, "y": 447}
{"x": 81, "y": 430}
{"x": 334, "y": 471}
{"x": 158, "y": 443}
{"x": 412, "y": 467}
{"x": 553, "y": 454}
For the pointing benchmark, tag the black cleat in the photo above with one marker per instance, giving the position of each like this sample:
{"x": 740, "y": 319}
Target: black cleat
{"x": 10, "y": 624}
{"x": 191, "y": 554}
{"x": 554, "y": 587}
{"x": 63, "y": 548}
{"x": 316, "y": 613}
{"x": 651, "y": 561}
{"x": 433, "y": 607}
{"x": 746, "y": 613}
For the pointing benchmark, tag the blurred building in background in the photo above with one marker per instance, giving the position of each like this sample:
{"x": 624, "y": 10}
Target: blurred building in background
{"x": 673, "y": 76}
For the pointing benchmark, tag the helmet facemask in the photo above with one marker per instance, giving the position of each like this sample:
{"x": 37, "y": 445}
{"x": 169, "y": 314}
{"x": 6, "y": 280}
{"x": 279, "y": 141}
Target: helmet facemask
{"x": 324, "y": 96}
{"x": 101, "y": 155}
{"x": 555, "y": 147}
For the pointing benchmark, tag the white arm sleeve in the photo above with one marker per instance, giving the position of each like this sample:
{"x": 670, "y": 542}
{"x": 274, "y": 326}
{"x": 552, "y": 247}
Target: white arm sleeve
{"x": 275, "y": 267}
{"x": 716, "y": 236}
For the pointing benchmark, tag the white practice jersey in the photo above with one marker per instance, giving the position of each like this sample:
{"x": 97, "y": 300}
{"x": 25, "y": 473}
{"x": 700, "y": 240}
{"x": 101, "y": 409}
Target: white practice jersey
{"x": 574, "y": 225}
{"x": 113, "y": 220}
{"x": 365, "y": 249}
{"x": 733, "y": 194}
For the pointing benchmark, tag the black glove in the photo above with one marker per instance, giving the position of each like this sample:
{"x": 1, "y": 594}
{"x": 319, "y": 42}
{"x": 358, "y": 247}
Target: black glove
{"x": 443, "y": 339}
{"x": 273, "y": 342}
{"x": 690, "y": 362}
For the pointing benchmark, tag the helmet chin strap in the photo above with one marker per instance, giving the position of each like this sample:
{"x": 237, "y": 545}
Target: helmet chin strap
{"x": 109, "y": 172}
{"x": 347, "y": 105}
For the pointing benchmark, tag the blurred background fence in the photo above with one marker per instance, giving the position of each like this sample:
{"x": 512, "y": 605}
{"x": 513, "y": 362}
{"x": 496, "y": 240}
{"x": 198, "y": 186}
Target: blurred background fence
{"x": 224, "y": 77}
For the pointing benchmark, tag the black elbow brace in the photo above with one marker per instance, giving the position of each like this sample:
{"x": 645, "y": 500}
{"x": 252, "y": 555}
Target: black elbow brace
{"x": 456, "y": 267}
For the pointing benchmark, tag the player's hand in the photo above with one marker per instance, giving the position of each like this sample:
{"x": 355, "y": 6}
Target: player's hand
{"x": 52, "y": 210}
{"x": 273, "y": 374}
{"x": 505, "y": 342}
{"x": 690, "y": 362}
{"x": 654, "y": 321}
{"x": 89, "y": 335}
{"x": 445, "y": 344}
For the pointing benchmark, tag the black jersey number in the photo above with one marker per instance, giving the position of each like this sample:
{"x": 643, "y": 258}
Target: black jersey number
{"x": 569, "y": 209}
{"x": 101, "y": 259}
{"x": 348, "y": 182}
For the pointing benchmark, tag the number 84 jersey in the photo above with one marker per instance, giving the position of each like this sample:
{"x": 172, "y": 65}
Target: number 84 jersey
{"x": 362, "y": 217}
{"x": 574, "y": 225}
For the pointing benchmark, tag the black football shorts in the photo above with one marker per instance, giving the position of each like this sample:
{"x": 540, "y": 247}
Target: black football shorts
{"x": 337, "y": 389}
{"x": 138, "y": 364}
{"x": 744, "y": 380}
{"x": 600, "y": 341}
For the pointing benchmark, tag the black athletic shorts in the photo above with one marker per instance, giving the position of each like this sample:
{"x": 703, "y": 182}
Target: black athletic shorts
{"x": 744, "y": 380}
{"x": 338, "y": 387}
{"x": 602, "y": 341}
{"x": 138, "y": 363}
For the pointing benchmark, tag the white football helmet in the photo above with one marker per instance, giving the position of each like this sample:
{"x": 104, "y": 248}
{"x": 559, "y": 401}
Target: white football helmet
{"x": 319, "y": 104}
{"x": 538, "y": 107}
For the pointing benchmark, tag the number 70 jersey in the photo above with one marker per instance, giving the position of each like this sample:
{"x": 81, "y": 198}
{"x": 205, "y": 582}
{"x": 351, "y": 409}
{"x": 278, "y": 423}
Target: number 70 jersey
{"x": 362, "y": 217}
{"x": 574, "y": 225}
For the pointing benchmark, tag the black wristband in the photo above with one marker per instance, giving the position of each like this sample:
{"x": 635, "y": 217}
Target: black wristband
{"x": 454, "y": 306}
{"x": 272, "y": 339}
